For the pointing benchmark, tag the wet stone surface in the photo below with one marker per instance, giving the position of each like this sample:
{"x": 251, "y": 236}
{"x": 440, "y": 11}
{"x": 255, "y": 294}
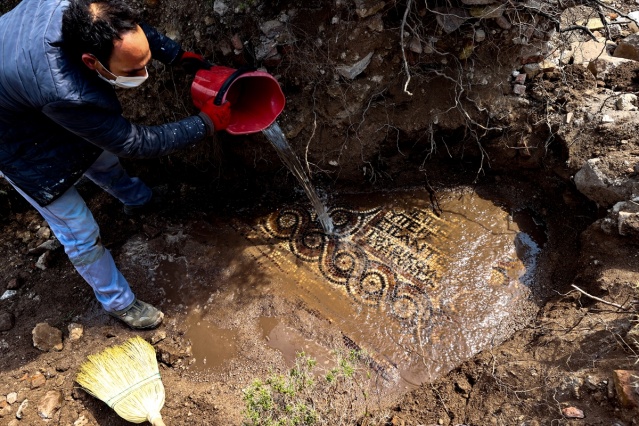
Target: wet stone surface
{"x": 418, "y": 290}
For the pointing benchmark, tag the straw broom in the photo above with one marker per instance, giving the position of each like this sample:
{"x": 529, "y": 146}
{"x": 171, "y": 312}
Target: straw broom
{"x": 127, "y": 379}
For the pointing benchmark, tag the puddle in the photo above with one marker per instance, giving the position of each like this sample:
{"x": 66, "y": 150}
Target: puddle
{"x": 290, "y": 343}
{"x": 213, "y": 346}
{"x": 419, "y": 292}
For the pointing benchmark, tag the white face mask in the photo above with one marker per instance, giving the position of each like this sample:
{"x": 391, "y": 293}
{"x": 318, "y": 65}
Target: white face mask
{"x": 124, "y": 82}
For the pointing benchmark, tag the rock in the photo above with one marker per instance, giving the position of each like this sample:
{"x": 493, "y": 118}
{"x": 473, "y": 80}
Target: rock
{"x": 5, "y": 410}
{"x": 626, "y": 383}
{"x": 23, "y": 406}
{"x": 628, "y": 48}
{"x": 588, "y": 51}
{"x": 450, "y": 19}
{"x": 519, "y": 89}
{"x": 592, "y": 24}
{"x": 628, "y": 224}
{"x": 220, "y": 7}
{"x": 350, "y": 72}
{"x": 43, "y": 260}
{"x": 520, "y": 79}
{"x": 43, "y": 233}
{"x": 12, "y": 397}
{"x": 37, "y": 380}
{"x": 415, "y": 45}
{"x": 75, "y": 331}
{"x": 7, "y": 321}
{"x": 503, "y": 23}
{"x": 572, "y": 413}
{"x": 13, "y": 422}
{"x": 47, "y": 338}
{"x": 601, "y": 185}
{"x": 626, "y": 102}
{"x": 376, "y": 23}
{"x": 48, "y": 245}
{"x": 603, "y": 65}
{"x": 488, "y": 12}
{"x": 480, "y": 35}
{"x": 366, "y": 8}
{"x": 14, "y": 283}
{"x": 158, "y": 336}
{"x": 397, "y": 421}
{"x": 272, "y": 29}
{"x": 236, "y": 42}
{"x": 8, "y": 294}
{"x": 49, "y": 404}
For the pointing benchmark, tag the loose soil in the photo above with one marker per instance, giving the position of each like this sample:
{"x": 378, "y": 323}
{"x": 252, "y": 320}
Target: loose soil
{"x": 364, "y": 135}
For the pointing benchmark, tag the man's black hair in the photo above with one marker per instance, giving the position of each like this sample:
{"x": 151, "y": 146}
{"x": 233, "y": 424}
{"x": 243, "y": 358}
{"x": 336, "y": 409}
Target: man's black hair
{"x": 91, "y": 26}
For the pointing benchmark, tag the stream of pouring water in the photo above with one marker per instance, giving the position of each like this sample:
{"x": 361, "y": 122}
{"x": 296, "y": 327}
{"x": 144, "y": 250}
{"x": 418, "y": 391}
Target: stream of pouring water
{"x": 275, "y": 135}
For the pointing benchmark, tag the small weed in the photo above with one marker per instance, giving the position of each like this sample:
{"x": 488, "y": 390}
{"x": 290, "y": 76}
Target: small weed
{"x": 300, "y": 397}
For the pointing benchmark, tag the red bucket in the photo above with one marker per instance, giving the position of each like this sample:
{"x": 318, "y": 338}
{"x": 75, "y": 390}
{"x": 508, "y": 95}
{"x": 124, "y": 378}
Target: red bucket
{"x": 255, "y": 96}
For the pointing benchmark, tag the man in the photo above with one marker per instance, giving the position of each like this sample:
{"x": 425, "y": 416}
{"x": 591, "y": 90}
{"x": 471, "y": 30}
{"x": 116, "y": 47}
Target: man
{"x": 60, "y": 62}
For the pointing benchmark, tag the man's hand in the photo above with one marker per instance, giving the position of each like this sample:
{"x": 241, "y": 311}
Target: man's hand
{"x": 220, "y": 115}
{"x": 192, "y": 62}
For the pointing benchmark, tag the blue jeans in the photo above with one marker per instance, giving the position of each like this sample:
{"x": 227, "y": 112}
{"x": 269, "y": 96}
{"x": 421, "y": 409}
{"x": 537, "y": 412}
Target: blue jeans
{"x": 73, "y": 224}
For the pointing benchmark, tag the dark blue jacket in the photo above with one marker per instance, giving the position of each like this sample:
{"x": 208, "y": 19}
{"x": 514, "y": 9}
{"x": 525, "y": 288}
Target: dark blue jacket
{"x": 56, "y": 116}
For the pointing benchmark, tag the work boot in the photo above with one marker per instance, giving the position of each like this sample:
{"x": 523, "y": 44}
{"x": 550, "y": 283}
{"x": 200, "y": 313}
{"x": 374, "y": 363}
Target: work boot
{"x": 139, "y": 315}
{"x": 158, "y": 198}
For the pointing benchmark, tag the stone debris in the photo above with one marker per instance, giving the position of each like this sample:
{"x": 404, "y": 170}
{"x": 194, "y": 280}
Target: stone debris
{"x": 599, "y": 184}
{"x": 8, "y": 294}
{"x": 626, "y": 385}
{"x": 47, "y": 338}
{"x": 75, "y": 332}
{"x": 158, "y": 336}
{"x": 219, "y": 7}
{"x": 48, "y": 245}
{"x": 37, "y": 380}
{"x": 5, "y": 409}
{"x": 43, "y": 260}
{"x": 572, "y": 413}
{"x": 626, "y": 102}
{"x": 23, "y": 406}
{"x": 415, "y": 45}
{"x": 350, "y": 72}
{"x": 450, "y": 19}
{"x": 14, "y": 284}
{"x": 12, "y": 397}
{"x": 603, "y": 65}
{"x": 519, "y": 89}
{"x": 7, "y": 321}
{"x": 272, "y": 28}
{"x": 50, "y": 403}
{"x": 628, "y": 48}
{"x": 366, "y": 8}
{"x": 488, "y": 12}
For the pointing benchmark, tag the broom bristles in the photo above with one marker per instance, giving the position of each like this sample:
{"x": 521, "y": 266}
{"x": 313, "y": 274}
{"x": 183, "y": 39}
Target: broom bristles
{"x": 127, "y": 379}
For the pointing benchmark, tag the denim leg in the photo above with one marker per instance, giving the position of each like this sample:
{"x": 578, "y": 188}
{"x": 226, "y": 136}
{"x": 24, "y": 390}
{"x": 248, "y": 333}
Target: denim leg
{"x": 108, "y": 174}
{"x": 73, "y": 224}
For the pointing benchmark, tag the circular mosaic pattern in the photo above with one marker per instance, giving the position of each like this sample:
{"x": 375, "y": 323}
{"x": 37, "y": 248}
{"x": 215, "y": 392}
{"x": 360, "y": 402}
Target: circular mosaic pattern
{"x": 345, "y": 263}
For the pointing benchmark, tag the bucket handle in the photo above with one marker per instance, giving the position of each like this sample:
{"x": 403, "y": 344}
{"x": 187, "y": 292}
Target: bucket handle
{"x": 227, "y": 83}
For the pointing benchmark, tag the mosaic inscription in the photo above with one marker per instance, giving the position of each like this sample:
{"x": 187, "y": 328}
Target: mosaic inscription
{"x": 382, "y": 258}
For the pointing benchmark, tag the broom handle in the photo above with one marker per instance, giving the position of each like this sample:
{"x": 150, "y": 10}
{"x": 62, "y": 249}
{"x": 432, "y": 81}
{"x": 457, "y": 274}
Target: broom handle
{"x": 158, "y": 422}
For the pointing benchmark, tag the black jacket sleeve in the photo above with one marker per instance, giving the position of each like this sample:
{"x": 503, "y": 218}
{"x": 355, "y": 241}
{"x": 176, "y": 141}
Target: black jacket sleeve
{"x": 162, "y": 48}
{"x": 112, "y": 132}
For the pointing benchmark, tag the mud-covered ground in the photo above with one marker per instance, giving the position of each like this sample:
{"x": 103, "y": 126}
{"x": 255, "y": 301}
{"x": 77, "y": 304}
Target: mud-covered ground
{"x": 459, "y": 127}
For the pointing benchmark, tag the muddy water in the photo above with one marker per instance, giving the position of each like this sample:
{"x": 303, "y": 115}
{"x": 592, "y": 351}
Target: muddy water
{"x": 419, "y": 291}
